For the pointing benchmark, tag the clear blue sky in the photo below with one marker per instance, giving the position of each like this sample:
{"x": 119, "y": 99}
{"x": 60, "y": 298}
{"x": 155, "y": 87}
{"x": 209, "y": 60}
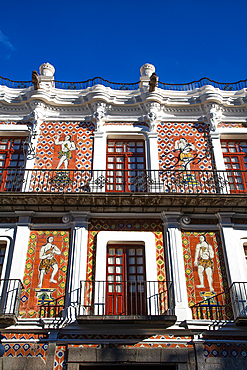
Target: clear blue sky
{"x": 185, "y": 40}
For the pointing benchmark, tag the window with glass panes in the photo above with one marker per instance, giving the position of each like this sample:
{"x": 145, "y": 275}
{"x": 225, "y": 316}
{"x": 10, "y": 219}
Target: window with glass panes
{"x": 11, "y": 161}
{"x": 2, "y": 255}
{"x": 125, "y": 168}
{"x": 235, "y": 158}
{"x": 126, "y": 279}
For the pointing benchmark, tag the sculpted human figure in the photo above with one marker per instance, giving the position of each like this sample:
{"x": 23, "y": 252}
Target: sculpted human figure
{"x": 186, "y": 155}
{"x": 67, "y": 145}
{"x": 204, "y": 255}
{"x": 46, "y": 255}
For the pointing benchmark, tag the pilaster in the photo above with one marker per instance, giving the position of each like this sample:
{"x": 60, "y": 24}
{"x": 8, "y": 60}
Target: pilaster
{"x": 20, "y": 245}
{"x": 78, "y": 259}
{"x": 175, "y": 263}
{"x": 236, "y": 266}
{"x": 99, "y": 155}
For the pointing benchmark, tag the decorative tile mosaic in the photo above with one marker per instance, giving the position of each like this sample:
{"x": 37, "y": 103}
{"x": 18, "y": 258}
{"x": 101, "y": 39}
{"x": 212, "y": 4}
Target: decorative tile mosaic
{"x": 61, "y": 146}
{"x": 53, "y": 244}
{"x": 195, "y": 134}
{"x": 48, "y": 152}
{"x": 8, "y": 220}
{"x": 232, "y": 124}
{"x": 144, "y": 124}
{"x": 11, "y": 123}
{"x": 46, "y": 220}
{"x": 60, "y": 358}
{"x": 200, "y": 241}
{"x": 226, "y": 350}
{"x": 97, "y": 225}
{"x": 31, "y": 349}
{"x": 239, "y": 221}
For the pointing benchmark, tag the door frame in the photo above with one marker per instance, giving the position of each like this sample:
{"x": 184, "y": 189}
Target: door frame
{"x": 117, "y": 237}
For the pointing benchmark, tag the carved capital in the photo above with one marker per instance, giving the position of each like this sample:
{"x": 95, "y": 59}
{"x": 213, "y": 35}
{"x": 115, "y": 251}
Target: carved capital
{"x": 152, "y": 117}
{"x": 213, "y": 116}
{"x": 99, "y": 111}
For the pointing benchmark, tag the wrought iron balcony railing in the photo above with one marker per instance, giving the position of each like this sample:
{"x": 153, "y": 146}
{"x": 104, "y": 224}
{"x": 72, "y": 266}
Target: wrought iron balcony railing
{"x": 226, "y": 86}
{"x": 10, "y": 294}
{"x": 228, "y": 305}
{"x": 217, "y": 307}
{"x": 127, "y": 298}
{"x": 124, "y": 181}
{"x": 238, "y": 292}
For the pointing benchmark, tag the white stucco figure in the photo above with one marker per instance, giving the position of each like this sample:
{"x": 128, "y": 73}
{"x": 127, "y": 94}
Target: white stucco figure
{"x": 185, "y": 155}
{"x": 46, "y": 255}
{"x": 67, "y": 145}
{"x": 204, "y": 255}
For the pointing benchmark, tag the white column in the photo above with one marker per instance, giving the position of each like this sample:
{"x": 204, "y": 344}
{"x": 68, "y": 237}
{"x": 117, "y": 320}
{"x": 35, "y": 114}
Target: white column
{"x": 235, "y": 264}
{"x": 99, "y": 151}
{"x": 175, "y": 263}
{"x": 78, "y": 260}
{"x": 20, "y": 245}
{"x": 153, "y": 150}
{"x": 218, "y": 156}
{"x": 30, "y": 161}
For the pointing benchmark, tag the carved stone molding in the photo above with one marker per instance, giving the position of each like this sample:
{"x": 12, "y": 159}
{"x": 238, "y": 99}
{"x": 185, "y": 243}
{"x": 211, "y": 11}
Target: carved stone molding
{"x": 213, "y": 116}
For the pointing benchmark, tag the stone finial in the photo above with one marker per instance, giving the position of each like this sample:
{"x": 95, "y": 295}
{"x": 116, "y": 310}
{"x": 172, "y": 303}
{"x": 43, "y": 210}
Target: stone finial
{"x": 46, "y": 69}
{"x": 147, "y": 70}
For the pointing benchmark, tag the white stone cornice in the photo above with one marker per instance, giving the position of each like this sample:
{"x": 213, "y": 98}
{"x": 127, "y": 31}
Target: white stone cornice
{"x": 122, "y": 105}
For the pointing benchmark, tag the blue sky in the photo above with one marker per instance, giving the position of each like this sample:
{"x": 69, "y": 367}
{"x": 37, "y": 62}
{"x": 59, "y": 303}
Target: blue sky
{"x": 185, "y": 40}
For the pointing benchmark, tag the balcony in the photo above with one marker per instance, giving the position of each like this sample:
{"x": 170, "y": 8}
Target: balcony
{"x": 238, "y": 292}
{"x": 10, "y": 294}
{"x": 228, "y": 305}
{"x": 124, "y": 181}
{"x": 125, "y": 305}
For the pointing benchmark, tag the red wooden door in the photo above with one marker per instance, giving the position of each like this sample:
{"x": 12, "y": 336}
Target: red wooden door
{"x": 125, "y": 168}
{"x": 126, "y": 280}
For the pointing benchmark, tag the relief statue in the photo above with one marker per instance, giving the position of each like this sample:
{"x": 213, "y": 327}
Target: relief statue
{"x": 185, "y": 156}
{"x": 205, "y": 253}
{"x": 67, "y": 145}
{"x": 47, "y": 256}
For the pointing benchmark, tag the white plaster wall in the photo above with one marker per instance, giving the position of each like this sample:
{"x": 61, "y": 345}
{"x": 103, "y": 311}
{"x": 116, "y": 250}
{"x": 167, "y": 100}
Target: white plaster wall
{"x": 7, "y": 235}
{"x": 20, "y": 251}
{"x": 234, "y": 239}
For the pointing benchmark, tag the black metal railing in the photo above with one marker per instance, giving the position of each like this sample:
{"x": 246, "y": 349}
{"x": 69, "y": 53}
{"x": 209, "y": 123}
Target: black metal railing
{"x": 126, "y": 298}
{"x": 238, "y": 292}
{"x": 117, "y": 181}
{"x": 225, "y": 86}
{"x": 15, "y": 84}
{"x": 10, "y": 295}
{"x": 96, "y": 81}
{"x": 52, "y": 309}
{"x": 217, "y": 307}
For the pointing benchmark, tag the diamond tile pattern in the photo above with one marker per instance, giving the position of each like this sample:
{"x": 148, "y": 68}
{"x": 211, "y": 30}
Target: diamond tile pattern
{"x": 29, "y": 302}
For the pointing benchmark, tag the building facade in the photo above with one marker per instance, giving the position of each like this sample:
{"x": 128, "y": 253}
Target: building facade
{"x": 123, "y": 223}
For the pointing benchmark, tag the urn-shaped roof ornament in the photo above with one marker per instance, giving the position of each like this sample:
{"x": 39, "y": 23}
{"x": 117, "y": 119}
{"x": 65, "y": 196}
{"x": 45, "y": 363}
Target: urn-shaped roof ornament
{"x": 46, "y": 69}
{"x": 147, "y": 70}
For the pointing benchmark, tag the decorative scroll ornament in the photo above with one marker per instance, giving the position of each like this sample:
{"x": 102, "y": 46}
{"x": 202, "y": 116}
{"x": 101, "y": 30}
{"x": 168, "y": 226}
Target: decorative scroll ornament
{"x": 98, "y": 116}
{"x": 152, "y": 116}
{"x": 213, "y": 117}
